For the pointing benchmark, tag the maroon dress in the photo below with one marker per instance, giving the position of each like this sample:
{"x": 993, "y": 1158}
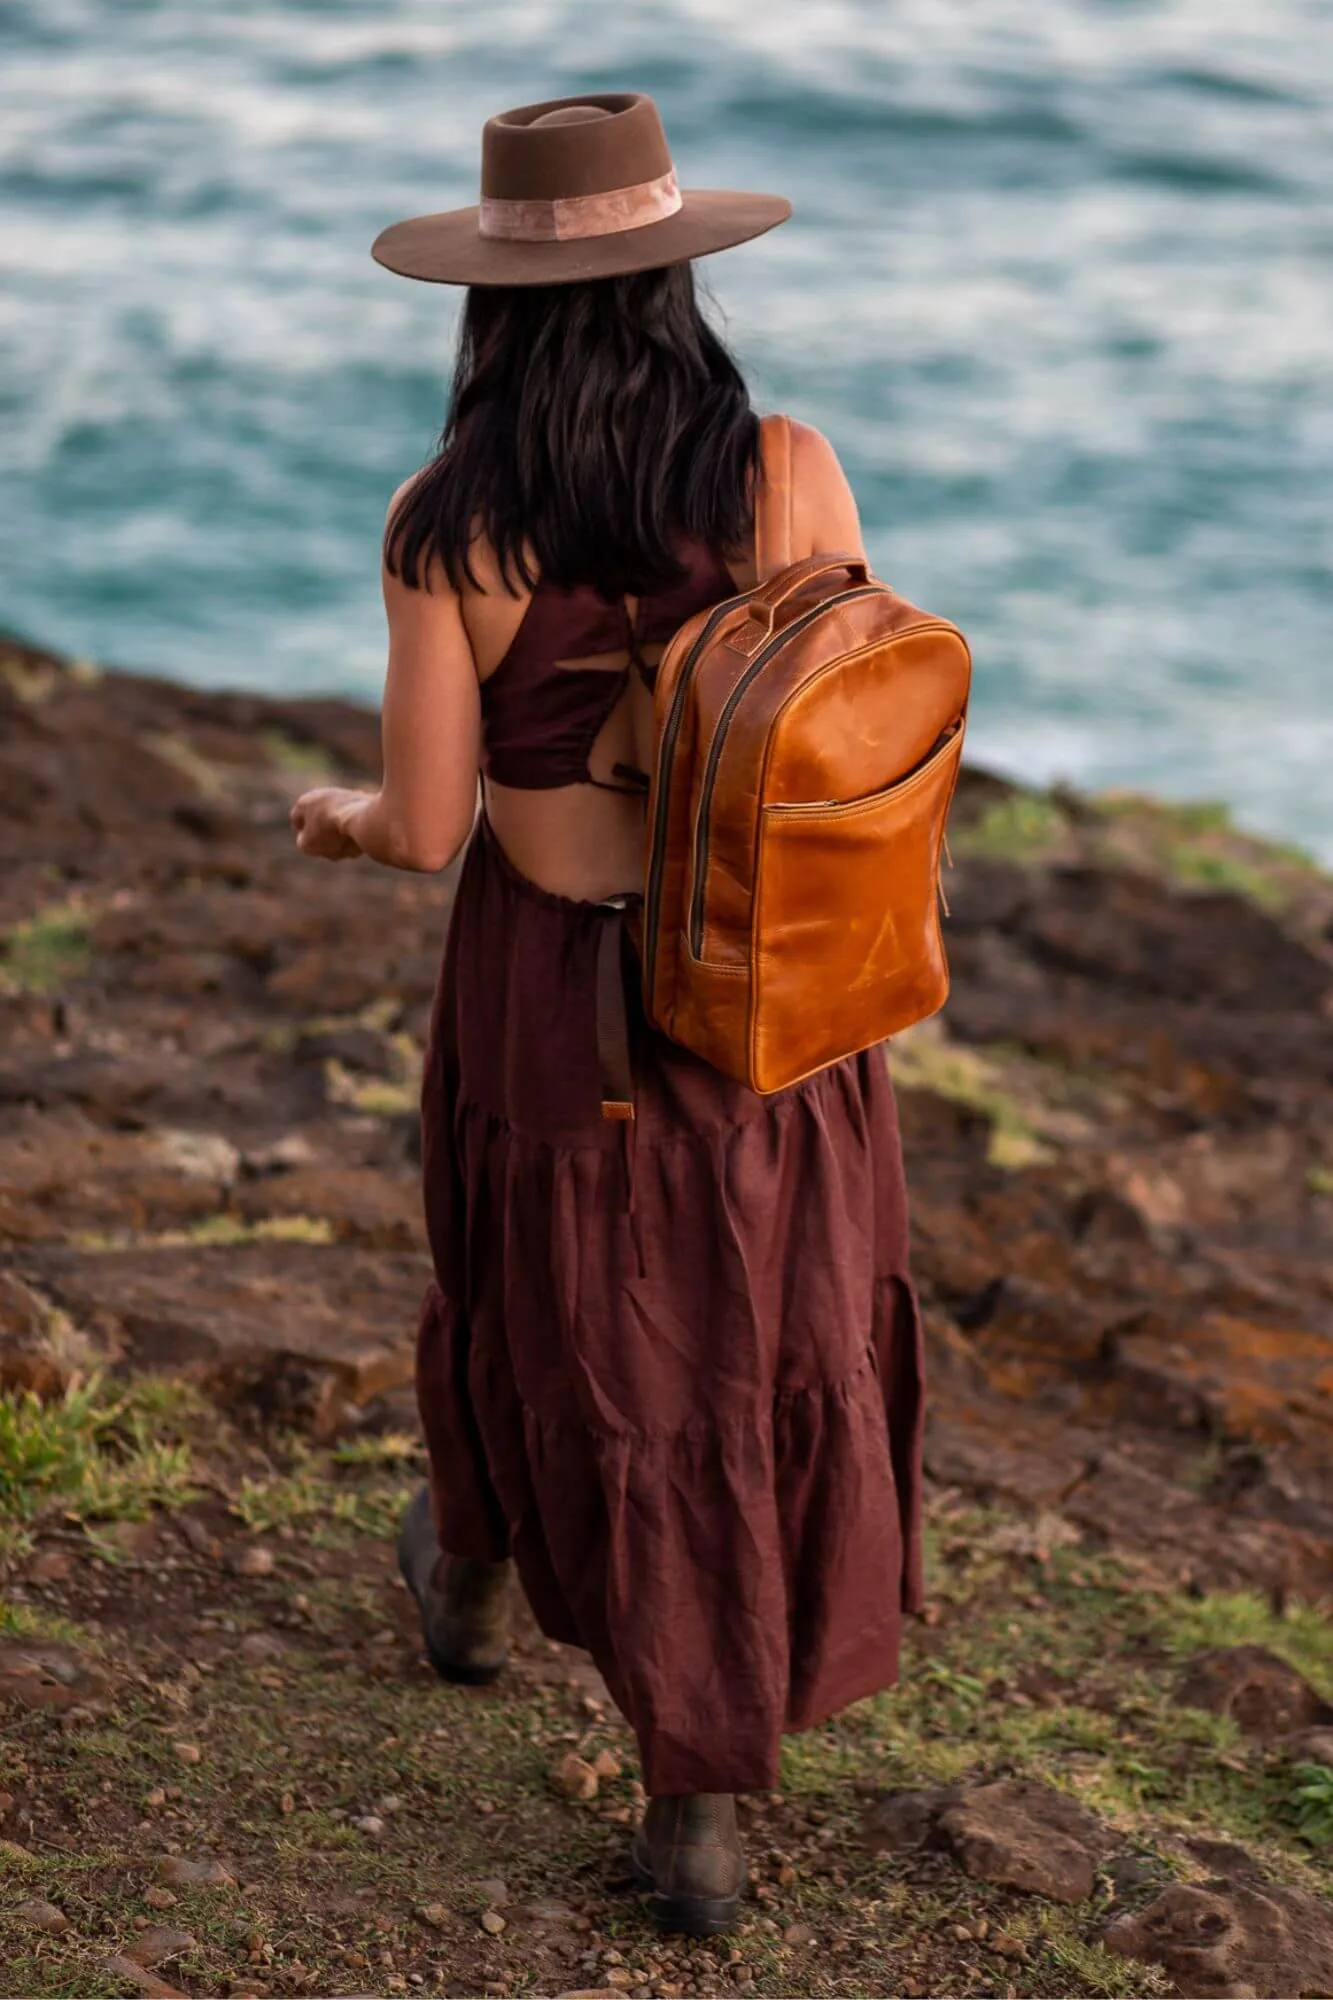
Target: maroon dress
{"x": 672, "y": 1367}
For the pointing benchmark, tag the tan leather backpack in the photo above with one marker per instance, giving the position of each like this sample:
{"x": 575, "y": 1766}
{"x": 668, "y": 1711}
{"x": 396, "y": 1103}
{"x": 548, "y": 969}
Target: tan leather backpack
{"x": 809, "y": 734}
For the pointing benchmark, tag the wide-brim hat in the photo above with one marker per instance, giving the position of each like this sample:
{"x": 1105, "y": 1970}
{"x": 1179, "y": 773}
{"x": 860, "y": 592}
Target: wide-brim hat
{"x": 577, "y": 188}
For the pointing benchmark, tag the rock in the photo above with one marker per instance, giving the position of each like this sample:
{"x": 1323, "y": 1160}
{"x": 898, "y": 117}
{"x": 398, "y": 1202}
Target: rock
{"x": 51, "y": 1566}
{"x": 155, "y": 1947}
{"x": 1226, "y": 1937}
{"x": 1263, "y": 1694}
{"x": 548, "y": 1910}
{"x": 186, "y": 1874}
{"x": 260, "y": 1648}
{"x": 493, "y": 1891}
{"x": 154, "y": 1800}
{"x": 391, "y": 1802}
{"x": 197, "y": 1156}
{"x": 492, "y": 1922}
{"x": 1309, "y": 1746}
{"x": 158, "y": 1898}
{"x": 1026, "y": 1835}
{"x": 140, "y": 1980}
{"x": 574, "y": 1779}
{"x": 607, "y": 1765}
{"x": 284, "y": 1155}
{"x": 904, "y": 1820}
{"x": 798, "y": 1934}
{"x": 370, "y": 1824}
{"x": 43, "y": 1917}
{"x": 435, "y": 1915}
{"x": 254, "y": 1560}
{"x": 188, "y": 1753}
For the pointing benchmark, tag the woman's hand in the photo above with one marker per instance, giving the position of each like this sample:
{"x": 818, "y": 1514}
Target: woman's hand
{"x": 324, "y": 821}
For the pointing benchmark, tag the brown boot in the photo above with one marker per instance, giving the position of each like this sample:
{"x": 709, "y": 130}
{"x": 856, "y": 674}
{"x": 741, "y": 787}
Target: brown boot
{"x": 464, "y": 1603}
{"x": 688, "y": 1852}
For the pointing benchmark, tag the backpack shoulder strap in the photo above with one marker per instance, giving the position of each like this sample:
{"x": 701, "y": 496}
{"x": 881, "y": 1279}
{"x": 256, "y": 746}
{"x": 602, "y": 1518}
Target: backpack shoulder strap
{"x": 772, "y": 504}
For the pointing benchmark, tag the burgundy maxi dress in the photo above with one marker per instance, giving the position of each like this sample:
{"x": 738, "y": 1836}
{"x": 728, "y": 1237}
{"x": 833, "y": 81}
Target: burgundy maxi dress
{"x": 673, "y": 1367}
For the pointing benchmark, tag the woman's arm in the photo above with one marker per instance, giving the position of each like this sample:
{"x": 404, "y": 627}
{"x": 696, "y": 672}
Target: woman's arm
{"x": 431, "y": 729}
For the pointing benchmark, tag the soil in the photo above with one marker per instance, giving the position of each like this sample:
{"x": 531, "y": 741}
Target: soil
{"x": 1120, "y": 1149}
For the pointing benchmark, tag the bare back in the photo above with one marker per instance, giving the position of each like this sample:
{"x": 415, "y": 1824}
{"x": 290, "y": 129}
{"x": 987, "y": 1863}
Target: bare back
{"x": 585, "y": 840}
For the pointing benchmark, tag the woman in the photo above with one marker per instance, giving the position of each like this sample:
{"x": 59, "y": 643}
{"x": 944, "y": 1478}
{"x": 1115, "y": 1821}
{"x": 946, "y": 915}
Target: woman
{"x": 670, "y": 1371}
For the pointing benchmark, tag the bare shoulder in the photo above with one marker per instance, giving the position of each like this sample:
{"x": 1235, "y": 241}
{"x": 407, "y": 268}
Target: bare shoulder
{"x": 824, "y": 513}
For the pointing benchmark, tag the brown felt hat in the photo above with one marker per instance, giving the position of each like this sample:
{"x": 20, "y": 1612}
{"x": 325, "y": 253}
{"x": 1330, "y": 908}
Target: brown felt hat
{"x": 581, "y": 187}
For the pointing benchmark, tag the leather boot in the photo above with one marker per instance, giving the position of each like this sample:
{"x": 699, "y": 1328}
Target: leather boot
{"x": 688, "y": 1853}
{"x": 464, "y": 1603}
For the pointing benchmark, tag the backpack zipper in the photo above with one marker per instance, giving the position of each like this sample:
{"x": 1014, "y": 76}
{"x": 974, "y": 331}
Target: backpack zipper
{"x": 667, "y": 750}
{"x": 729, "y": 707}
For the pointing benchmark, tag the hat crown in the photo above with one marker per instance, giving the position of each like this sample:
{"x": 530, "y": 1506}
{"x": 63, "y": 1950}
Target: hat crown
{"x": 571, "y": 147}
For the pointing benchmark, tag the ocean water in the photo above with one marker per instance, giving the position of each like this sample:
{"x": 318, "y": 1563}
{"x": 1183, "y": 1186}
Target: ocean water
{"x": 1059, "y": 288}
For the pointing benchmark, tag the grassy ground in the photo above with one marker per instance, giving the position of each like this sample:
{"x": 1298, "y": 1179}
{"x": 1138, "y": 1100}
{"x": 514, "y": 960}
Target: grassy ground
{"x": 234, "y": 1677}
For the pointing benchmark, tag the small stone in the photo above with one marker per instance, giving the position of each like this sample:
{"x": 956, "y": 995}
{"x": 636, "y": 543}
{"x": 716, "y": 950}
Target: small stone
{"x": 607, "y": 1765}
{"x": 159, "y": 1899}
{"x": 619, "y": 1980}
{"x": 256, "y": 1560}
{"x": 189, "y": 1753}
{"x": 369, "y": 1824}
{"x": 187, "y": 1874}
{"x": 257, "y": 1649}
{"x": 140, "y": 1980}
{"x": 43, "y": 1917}
{"x": 286, "y": 1804}
{"x": 493, "y": 1891}
{"x": 547, "y": 1910}
{"x": 433, "y": 1914}
{"x": 1007, "y": 1946}
{"x": 492, "y": 1922}
{"x": 798, "y": 1934}
{"x": 50, "y": 1566}
{"x": 391, "y": 1804}
{"x": 574, "y": 1779}
{"x": 155, "y": 1947}
{"x": 155, "y": 1799}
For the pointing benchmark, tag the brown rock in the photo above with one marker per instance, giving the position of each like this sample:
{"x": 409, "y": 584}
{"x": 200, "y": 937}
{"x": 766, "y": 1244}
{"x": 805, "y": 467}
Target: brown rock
{"x": 904, "y": 1820}
{"x": 1310, "y": 1746}
{"x": 492, "y": 1922}
{"x": 1263, "y": 1694}
{"x": 188, "y": 1753}
{"x": 140, "y": 1980}
{"x": 254, "y": 1560}
{"x": 607, "y": 1765}
{"x": 574, "y": 1779}
{"x": 185, "y": 1874}
{"x": 51, "y": 1566}
{"x": 1242, "y": 1939}
{"x": 158, "y": 1898}
{"x": 43, "y": 1916}
{"x": 1026, "y": 1835}
{"x": 155, "y": 1947}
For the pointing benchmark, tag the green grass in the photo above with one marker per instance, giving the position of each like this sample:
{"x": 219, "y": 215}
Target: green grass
{"x": 292, "y": 753}
{"x": 99, "y": 1452}
{"x": 48, "y": 951}
{"x": 307, "y": 1497}
{"x": 220, "y": 1231}
{"x": 1023, "y": 827}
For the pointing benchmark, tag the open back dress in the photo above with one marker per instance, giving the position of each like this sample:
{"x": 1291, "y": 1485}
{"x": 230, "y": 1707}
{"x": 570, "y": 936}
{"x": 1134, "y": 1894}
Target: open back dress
{"x": 672, "y": 1367}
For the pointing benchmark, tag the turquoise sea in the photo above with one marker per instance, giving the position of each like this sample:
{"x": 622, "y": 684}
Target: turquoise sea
{"x": 1059, "y": 287}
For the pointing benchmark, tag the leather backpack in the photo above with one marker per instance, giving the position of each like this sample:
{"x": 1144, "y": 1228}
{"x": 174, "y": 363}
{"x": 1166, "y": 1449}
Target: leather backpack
{"x": 808, "y": 739}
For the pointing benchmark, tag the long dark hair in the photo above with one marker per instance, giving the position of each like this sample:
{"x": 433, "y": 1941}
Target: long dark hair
{"x": 592, "y": 429}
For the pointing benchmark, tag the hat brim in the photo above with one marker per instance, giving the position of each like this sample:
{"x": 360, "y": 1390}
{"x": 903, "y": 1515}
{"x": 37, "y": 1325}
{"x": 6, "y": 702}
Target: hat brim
{"x": 447, "y": 249}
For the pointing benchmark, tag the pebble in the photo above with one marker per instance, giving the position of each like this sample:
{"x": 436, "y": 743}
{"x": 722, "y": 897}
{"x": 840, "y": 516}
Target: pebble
{"x": 257, "y": 1648}
{"x": 154, "y": 1799}
{"x": 370, "y": 1824}
{"x": 391, "y": 1804}
{"x": 140, "y": 1980}
{"x": 51, "y": 1566}
{"x": 546, "y": 1910}
{"x": 195, "y": 1874}
{"x": 492, "y": 1922}
{"x": 607, "y": 1765}
{"x": 574, "y": 1779}
{"x": 43, "y": 1917}
{"x": 433, "y": 1914}
{"x": 189, "y": 1753}
{"x": 155, "y": 1947}
{"x": 159, "y": 1899}
{"x": 493, "y": 1890}
{"x": 286, "y": 1804}
{"x": 254, "y": 1561}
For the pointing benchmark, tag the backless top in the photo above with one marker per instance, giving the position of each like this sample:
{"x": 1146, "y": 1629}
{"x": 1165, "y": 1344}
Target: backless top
{"x": 546, "y": 703}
